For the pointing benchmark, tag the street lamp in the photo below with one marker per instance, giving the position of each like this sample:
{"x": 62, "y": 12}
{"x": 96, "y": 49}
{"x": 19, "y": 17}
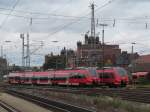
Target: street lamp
{"x": 55, "y": 41}
{"x": 103, "y": 41}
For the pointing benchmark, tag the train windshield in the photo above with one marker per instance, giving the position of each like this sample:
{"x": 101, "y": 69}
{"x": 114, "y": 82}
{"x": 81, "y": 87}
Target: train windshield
{"x": 121, "y": 71}
{"x": 92, "y": 71}
{"x": 77, "y": 76}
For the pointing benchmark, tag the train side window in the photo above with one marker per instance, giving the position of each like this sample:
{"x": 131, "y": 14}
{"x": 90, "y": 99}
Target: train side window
{"x": 59, "y": 78}
{"x": 82, "y": 76}
{"x": 134, "y": 77}
{"x": 73, "y": 75}
{"x": 106, "y": 75}
{"x": 26, "y": 79}
{"x": 76, "y": 76}
{"x": 34, "y": 78}
{"x": 17, "y": 78}
{"x": 43, "y": 78}
{"x": 11, "y": 78}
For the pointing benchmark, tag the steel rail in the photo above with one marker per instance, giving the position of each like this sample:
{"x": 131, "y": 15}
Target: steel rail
{"x": 136, "y": 95}
{"x": 7, "y": 107}
{"x": 49, "y": 104}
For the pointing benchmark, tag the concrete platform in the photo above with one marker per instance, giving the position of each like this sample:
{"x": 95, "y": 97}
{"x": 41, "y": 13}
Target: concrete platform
{"x": 20, "y": 104}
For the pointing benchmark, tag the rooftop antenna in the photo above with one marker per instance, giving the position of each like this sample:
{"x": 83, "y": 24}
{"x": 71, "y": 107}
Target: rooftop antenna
{"x": 97, "y": 22}
{"x": 114, "y": 23}
{"x": 87, "y": 32}
{"x": 146, "y": 25}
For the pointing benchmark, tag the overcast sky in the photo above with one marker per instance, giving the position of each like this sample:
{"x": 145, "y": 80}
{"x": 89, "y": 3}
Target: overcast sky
{"x": 67, "y": 20}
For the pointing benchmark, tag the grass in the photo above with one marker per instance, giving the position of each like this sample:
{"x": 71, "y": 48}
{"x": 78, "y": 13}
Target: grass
{"x": 97, "y": 103}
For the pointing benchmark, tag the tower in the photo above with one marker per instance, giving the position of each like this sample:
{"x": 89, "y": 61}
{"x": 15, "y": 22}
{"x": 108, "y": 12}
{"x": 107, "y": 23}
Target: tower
{"x": 92, "y": 21}
{"x": 28, "y": 52}
{"x": 23, "y": 49}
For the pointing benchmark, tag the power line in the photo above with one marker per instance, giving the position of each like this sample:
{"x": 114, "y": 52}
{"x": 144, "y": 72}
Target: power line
{"x": 40, "y": 13}
{"x": 14, "y": 6}
{"x": 117, "y": 20}
{"x": 51, "y": 14}
{"x": 73, "y": 17}
{"x": 14, "y": 15}
{"x": 65, "y": 16}
{"x": 62, "y": 6}
{"x": 67, "y": 25}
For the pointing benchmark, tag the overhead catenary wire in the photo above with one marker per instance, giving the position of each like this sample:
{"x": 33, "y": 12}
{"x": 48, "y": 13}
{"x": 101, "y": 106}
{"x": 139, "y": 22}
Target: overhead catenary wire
{"x": 81, "y": 18}
{"x": 116, "y": 20}
{"x": 14, "y": 6}
{"x": 72, "y": 17}
{"x": 63, "y": 6}
{"x": 66, "y": 25}
{"x": 49, "y": 14}
{"x": 41, "y": 13}
{"x": 73, "y": 22}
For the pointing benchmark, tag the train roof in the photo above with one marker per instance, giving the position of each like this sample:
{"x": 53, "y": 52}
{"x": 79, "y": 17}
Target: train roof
{"x": 49, "y": 73}
{"x": 15, "y": 74}
{"x": 110, "y": 68}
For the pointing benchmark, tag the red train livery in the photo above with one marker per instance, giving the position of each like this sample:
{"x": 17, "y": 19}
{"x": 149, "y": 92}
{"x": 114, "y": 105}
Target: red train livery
{"x": 114, "y": 76}
{"x": 59, "y": 77}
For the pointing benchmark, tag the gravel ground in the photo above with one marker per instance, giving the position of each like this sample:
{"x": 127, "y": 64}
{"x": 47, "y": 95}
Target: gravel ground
{"x": 2, "y": 109}
{"x": 20, "y": 104}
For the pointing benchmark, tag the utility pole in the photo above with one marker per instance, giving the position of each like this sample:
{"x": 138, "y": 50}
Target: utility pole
{"x": 103, "y": 47}
{"x": 103, "y": 43}
{"x": 23, "y": 45}
{"x": 28, "y": 46}
{"x": 132, "y": 61}
{"x": 1, "y": 51}
{"x": 132, "y": 57}
{"x": 28, "y": 52}
{"x": 66, "y": 58}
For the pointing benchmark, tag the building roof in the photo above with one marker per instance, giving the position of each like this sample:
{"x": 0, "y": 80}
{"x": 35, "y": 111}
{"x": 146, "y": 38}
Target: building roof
{"x": 143, "y": 59}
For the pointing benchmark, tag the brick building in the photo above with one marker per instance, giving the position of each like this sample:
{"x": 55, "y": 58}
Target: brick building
{"x": 142, "y": 64}
{"x": 59, "y": 61}
{"x": 125, "y": 59}
{"x": 90, "y": 53}
{"x": 54, "y": 62}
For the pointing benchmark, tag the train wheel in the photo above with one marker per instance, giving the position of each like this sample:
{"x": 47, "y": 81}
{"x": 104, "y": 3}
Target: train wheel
{"x": 123, "y": 84}
{"x": 113, "y": 86}
{"x": 95, "y": 84}
{"x": 81, "y": 85}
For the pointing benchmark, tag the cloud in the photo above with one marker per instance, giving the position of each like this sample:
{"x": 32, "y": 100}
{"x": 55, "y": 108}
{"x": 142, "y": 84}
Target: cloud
{"x": 131, "y": 17}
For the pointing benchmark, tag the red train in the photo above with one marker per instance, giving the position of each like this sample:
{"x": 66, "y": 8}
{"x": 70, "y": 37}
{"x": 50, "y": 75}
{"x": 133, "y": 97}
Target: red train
{"x": 114, "y": 76}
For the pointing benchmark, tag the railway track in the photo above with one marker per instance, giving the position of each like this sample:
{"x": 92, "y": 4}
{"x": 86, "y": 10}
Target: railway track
{"x": 7, "y": 107}
{"x": 137, "y": 95}
{"x": 48, "y": 104}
